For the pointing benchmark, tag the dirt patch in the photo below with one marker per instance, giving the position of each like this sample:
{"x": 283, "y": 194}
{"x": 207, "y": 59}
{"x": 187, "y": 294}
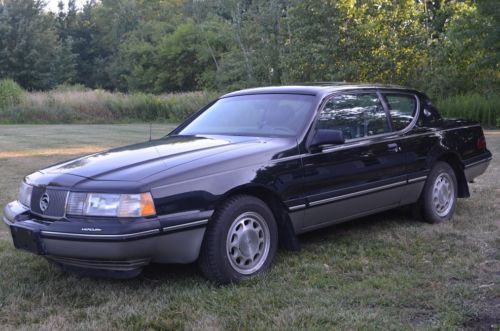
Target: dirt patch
{"x": 51, "y": 151}
{"x": 488, "y": 319}
{"x": 483, "y": 323}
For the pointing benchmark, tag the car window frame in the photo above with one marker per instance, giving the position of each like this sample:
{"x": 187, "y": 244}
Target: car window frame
{"x": 416, "y": 115}
{"x": 363, "y": 140}
{"x": 366, "y": 92}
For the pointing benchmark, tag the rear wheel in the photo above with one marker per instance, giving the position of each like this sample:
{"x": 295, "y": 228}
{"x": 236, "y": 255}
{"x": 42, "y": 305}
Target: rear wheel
{"x": 440, "y": 194}
{"x": 240, "y": 241}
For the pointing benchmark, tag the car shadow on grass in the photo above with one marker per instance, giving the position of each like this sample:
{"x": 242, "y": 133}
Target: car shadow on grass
{"x": 172, "y": 272}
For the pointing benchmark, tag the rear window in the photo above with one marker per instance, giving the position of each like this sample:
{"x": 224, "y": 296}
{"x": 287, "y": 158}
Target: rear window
{"x": 403, "y": 108}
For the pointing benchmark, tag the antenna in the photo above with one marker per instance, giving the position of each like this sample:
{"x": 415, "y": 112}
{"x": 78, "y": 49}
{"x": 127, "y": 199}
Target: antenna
{"x": 150, "y": 129}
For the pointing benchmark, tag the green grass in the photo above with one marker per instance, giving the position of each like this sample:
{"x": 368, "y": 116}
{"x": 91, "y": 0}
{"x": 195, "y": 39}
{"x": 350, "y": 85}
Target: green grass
{"x": 381, "y": 272}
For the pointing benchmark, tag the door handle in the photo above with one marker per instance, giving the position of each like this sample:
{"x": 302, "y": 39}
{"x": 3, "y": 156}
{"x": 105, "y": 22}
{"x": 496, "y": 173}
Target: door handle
{"x": 393, "y": 147}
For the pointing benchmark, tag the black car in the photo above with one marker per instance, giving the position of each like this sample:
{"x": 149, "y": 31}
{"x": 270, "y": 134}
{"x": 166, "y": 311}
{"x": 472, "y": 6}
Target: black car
{"x": 250, "y": 170}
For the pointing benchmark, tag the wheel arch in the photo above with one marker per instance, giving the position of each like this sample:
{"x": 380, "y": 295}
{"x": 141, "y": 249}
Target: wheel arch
{"x": 458, "y": 168}
{"x": 286, "y": 233}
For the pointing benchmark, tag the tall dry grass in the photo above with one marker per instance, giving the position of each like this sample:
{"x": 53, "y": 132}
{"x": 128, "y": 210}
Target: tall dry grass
{"x": 98, "y": 106}
{"x": 77, "y": 104}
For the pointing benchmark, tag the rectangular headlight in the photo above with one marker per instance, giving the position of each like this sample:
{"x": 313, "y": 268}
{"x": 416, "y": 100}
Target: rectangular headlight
{"x": 24, "y": 195}
{"x": 110, "y": 205}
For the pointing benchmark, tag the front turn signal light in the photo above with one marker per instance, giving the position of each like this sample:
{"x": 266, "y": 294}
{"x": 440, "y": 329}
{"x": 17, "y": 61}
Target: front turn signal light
{"x": 147, "y": 205}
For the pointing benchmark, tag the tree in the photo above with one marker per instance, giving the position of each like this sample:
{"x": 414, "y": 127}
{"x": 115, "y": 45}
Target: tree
{"x": 28, "y": 44}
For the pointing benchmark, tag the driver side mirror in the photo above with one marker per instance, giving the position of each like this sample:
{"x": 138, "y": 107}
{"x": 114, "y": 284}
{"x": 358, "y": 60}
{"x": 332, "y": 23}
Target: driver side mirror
{"x": 327, "y": 137}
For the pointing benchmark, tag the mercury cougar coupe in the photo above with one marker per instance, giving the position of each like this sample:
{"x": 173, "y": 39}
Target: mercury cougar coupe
{"x": 252, "y": 169}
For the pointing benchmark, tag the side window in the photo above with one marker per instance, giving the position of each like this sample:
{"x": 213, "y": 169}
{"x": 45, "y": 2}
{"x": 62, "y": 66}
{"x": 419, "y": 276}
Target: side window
{"x": 356, "y": 115}
{"x": 402, "y": 108}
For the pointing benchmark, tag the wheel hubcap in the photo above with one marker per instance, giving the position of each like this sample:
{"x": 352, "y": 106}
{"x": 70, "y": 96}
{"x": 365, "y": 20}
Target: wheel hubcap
{"x": 443, "y": 194}
{"x": 248, "y": 243}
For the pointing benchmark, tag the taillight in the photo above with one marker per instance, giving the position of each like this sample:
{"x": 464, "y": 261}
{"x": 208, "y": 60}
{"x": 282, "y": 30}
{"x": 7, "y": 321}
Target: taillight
{"x": 481, "y": 143}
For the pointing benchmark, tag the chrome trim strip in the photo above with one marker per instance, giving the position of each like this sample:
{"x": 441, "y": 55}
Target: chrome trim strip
{"x": 66, "y": 204}
{"x": 185, "y": 225}
{"x": 462, "y": 127}
{"x": 417, "y": 179}
{"x": 99, "y": 236}
{"x": 340, "y": 197}
{"x": 46, "y": 216}
{"x": 346, "y": 146}
{"x": 397, "y": 135}
{"x": 478, "y": 162}
{"x": 288, "y": 158}
{"x": 293, "y": 208}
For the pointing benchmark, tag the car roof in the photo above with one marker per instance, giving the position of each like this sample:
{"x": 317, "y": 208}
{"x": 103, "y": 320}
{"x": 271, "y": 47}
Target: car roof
{"x": 315, "y": 89}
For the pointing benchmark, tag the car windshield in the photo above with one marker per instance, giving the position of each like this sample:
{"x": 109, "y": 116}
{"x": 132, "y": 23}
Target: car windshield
{"x": 255, "y": 115}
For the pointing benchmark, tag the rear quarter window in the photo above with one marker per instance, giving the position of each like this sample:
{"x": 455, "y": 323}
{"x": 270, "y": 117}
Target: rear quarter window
{"x": 403, "y": 108}
{"x": 429, "y": 116}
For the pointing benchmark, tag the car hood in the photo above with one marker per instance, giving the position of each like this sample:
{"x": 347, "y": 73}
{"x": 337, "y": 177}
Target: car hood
{"x": 135, "y": 162}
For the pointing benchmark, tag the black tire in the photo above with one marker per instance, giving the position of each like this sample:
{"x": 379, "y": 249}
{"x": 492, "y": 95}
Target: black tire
{"x": 251, "y": 247}
{"x": 439, "y": 197}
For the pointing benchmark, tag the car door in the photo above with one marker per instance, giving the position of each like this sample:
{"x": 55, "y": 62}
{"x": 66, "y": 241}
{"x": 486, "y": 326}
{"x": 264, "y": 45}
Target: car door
{"x": 365, "y": 174}
{"x": 416, "y": 134}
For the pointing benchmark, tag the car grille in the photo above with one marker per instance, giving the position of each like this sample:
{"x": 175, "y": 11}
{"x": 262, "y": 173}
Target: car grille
{"x": 56, "y": 206}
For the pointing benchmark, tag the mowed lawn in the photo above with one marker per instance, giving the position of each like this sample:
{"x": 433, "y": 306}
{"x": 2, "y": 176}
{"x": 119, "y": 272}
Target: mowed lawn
{"x": 380, "y": 272}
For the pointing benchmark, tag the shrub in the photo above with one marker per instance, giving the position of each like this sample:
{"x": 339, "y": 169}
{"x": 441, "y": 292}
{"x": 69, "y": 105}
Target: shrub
{"x": 482, "y": 108}
{"x": 10, "y": 93}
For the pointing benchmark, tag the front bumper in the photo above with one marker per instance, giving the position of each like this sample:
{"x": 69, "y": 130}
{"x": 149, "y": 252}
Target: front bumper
{"x": 104, "y": 245}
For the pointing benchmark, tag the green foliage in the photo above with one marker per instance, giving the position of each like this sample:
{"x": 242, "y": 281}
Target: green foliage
{"x": 482, "y": 108}
{"x": 10, "y": 94}
{"x": 460, "y": 62}
{"x": 444, "y": 47}
{"x": 381, "y": 41}
{"x": 29, "y": 48}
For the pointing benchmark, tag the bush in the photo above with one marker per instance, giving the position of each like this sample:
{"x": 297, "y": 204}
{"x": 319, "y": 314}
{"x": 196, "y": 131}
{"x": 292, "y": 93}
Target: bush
{"x": 482, "y": 108}
{"x": 10, "y": 93}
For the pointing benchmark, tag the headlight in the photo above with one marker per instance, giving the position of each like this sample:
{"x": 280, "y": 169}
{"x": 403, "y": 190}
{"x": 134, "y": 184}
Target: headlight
{"x": 24, "y": 196}
{"x": 113, "y": 205}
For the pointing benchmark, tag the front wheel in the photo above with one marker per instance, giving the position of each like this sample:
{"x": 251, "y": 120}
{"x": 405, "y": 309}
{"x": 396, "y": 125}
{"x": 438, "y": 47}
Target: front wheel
{"x": 440, "y": 194}
{"x": 240, "y": 241}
